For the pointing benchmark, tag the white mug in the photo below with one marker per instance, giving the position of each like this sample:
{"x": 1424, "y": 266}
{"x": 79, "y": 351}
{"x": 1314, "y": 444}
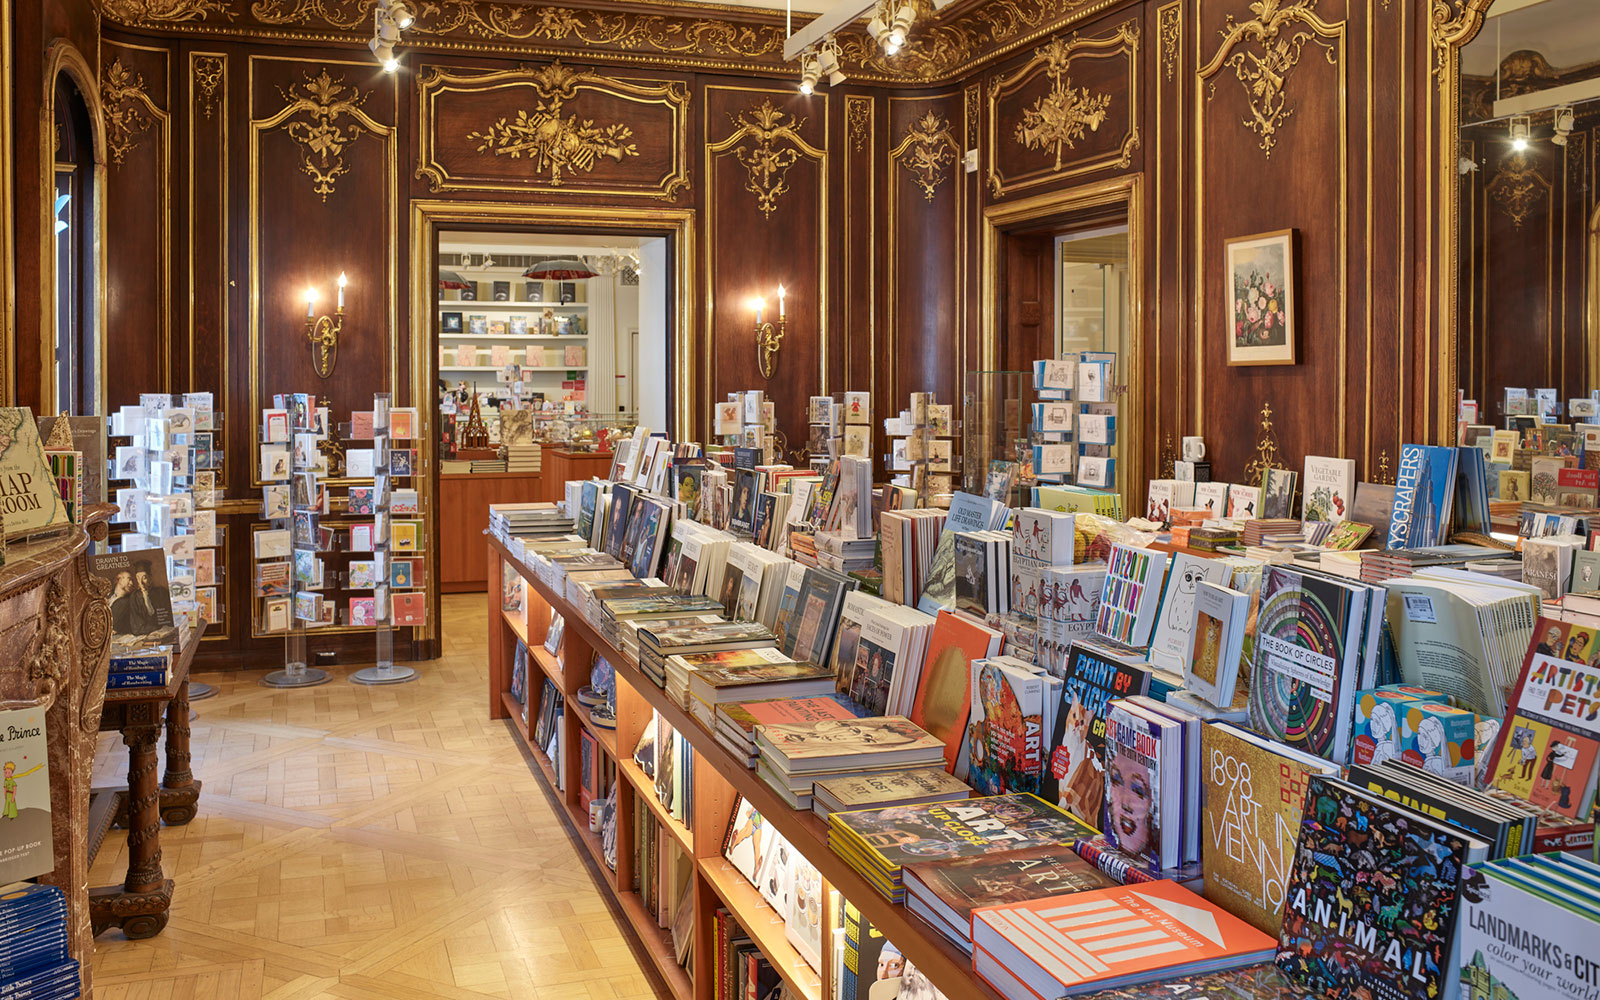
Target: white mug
{"x": 1194, "y": 449}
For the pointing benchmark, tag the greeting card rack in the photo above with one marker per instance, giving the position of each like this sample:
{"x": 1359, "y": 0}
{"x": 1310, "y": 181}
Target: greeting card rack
{"x": 384, "y": 539}
{"x": 298, "y": 518}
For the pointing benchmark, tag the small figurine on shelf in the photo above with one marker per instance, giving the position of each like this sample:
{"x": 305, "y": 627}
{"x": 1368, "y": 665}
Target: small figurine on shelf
{"x": 476, "y": 433}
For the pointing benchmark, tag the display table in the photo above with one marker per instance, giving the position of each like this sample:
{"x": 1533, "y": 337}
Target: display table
{"x": 464, "y": 500}
{"x": 719, "y": 779}
{"x": 55, "y": 632}
{"x": 139, "y": 906}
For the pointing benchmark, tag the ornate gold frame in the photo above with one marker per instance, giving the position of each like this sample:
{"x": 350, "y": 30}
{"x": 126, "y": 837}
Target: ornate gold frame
{"x": 1124, "y": 41}
{"x": 1126, "y": 191}
{"x": 673, "y": 95}
{"x": 63, "y": 57}
{"x": 1451, "y": 24}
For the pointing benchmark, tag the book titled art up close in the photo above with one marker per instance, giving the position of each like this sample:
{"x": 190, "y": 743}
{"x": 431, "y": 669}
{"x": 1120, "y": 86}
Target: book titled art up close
{"x": 26, "y": 844}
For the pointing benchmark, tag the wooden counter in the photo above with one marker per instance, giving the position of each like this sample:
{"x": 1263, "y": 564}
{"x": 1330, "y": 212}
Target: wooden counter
{"x": 463, "y": 511}
{"x": 563, "y": 466}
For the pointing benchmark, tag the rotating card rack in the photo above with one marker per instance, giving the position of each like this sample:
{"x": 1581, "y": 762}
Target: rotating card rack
{"x": 385, "y": 670}
{"x": 305, "y": 507}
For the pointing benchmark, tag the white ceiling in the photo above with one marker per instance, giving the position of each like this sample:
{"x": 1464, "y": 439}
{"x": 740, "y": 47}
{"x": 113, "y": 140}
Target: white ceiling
{"x": 1565, "y": 32}
{"x": 533, "y": 243}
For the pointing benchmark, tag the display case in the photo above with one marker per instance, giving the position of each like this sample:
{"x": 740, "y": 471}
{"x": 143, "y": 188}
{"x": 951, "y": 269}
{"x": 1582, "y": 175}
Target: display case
{"x": 997, "y": 414}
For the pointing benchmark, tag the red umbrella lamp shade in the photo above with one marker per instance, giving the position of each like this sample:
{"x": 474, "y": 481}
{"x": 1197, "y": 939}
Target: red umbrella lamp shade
{"x": 560, "y": 269}
{"x": 450, "y": 281}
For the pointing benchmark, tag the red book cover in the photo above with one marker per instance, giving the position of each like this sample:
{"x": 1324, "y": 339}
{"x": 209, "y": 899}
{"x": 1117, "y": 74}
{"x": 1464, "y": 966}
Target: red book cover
{"x": 1578, "y": 479}
{"x": 410, "y": 608}
{"x": 944, "y": 694}
{"x": 1103, "y": 938}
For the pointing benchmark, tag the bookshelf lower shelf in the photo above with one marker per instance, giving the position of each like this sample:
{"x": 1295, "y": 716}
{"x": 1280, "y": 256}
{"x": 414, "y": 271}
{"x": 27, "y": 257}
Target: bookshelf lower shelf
{"x": 763, "y": 924}
{"x": 945, "y": 966}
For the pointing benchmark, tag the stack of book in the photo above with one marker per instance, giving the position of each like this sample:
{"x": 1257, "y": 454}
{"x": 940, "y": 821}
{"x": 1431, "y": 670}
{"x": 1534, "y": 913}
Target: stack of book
{"x": 878, "y": 842}
{"x": 794, "y": 756}
{"x": 524, "y": 459}
{"x": 677, "y": 669}
{"x": 736, "y": 722}
{"x": 1271, "y": 531}
{"x": 1380, "y": 565}
{"x": 659, "y": 604}
{"x": 33, "y": 944}
{"x": 137, "y": 665}
{"x": 488, "y": 465}
{"x": 702, "y": 642}
{"x": 527, "y": 520}
{"x": 773, "y": 676}
{"x": 843, "y": 553}
{"x": 882, "y": 789}
{"x": 908, "y": 539}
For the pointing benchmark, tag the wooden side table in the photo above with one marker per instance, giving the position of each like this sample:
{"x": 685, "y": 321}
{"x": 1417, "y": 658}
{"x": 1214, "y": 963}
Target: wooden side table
{"x": 139, "y": 906}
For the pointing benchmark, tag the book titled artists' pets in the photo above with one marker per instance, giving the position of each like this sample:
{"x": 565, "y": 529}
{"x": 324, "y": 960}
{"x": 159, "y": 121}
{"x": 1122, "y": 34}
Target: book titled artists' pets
{"x": 26, "y": 843}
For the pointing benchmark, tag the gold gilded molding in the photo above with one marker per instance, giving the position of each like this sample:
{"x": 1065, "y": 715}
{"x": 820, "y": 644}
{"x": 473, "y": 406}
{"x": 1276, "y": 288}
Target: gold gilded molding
{"x": 1517, "y": 188}
{"x": 164, "y": 11}
{"x": 208, "y": 72}
{"x": 560, "y": 143}
{"x": 1263, "y": 51}
{"x": 324, "y": 101}
{"x": 1058, "y": 120}
{"x": 858, "y": 121}
{"x": 129, "y": 111}
{"x": 972, "y": 102}
{"x": 1170, "y": 22}
{"x": 927, "y": 150}
{"x": 1451, "y": 24}
{"x": 777, "y": 146}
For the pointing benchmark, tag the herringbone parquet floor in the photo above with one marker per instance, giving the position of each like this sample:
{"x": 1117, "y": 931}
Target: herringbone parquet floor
{"x": 368, "y": 843}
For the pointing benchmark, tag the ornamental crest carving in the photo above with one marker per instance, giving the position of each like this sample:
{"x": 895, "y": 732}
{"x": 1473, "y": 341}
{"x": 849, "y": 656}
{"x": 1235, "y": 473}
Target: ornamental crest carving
{"x": 767, "y": 143}
{"x": 323, "y": 115}
{"x": 928, "y": 150}
{"x": 552, "y": 139}
{"x": 1062, "y": 117}
{"x": 1263, "y": 51}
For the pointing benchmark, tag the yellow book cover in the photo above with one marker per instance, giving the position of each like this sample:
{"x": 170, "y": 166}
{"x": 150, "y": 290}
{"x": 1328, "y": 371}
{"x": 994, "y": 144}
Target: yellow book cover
{"x": 1252, "y": 822}
{"x": 28, "y": 495}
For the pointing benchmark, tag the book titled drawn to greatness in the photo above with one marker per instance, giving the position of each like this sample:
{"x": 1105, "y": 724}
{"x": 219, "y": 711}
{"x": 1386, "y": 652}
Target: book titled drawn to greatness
{"x": 26, "y": 847}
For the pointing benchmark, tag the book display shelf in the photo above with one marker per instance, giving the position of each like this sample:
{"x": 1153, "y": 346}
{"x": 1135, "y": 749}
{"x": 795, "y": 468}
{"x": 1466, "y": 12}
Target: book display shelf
{"x": 719, "y": 781}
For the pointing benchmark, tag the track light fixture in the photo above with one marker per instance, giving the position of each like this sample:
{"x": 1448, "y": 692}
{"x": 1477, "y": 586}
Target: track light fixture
{"x": 1521, "y": 132}
{"x": 904, "y": 17}
{"x": 828, "y": 61}
{"x": 1563, "y": 119}
{"x": 388, "y": 18}
{"x": 810, "y": 71}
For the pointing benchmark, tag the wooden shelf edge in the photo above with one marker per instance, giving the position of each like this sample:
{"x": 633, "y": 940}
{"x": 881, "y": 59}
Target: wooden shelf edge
{"x": 657, "y": 942}
{"x": 547, "y": 662}
{"x": 946, "y": 966}
{"x": 518, "y": 627}
{"x": 645, "y": 790}
{"x": 763, "y": 924}
{"x": 607, "y": 738}
{"x": 514, "y": 713}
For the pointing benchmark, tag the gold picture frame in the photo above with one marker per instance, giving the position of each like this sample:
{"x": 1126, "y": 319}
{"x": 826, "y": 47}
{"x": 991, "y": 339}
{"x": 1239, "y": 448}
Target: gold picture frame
{"x": 1261, "y": 296}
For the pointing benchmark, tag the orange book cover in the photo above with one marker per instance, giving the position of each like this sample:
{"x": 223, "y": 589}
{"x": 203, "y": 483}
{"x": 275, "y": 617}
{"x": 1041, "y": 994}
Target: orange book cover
{"x": 1103, "y": 938}
{"x": 944, "y": 693}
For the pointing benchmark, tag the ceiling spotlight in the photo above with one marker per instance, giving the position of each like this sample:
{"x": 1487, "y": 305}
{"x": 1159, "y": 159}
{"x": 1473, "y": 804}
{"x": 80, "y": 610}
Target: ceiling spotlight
{"x": 810, "y": 71}
{"x": 401, "y": 11}
{"x": 1563, "y": 118}
{"x": 386, "y": 33}
{"x": 1521, "y": 132}
{"x": 904, "y": 17}
{"x": 384, "y": 52}
{"x": 828, "y": 63}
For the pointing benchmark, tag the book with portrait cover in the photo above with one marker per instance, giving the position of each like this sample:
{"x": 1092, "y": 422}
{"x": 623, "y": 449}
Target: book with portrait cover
{"x": 1347, "y": 934}
{"x": 1254, "y": 790}
{"x": 946, "y": 892}
{"x": 1005, "y": 735}
{"x": 944, "y": 691}
{"x": 1144, "y": 786}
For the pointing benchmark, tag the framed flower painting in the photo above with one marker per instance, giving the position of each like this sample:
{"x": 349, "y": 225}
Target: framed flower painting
{"x": 1261, "y": 299}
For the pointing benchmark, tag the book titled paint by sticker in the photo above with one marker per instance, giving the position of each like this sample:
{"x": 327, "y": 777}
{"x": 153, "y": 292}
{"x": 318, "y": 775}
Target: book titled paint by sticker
{"x": 1107, "y": 938}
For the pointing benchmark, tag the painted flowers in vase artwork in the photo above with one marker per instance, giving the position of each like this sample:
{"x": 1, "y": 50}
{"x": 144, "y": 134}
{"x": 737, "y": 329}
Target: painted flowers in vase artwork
{"x": 1261, "y": 299}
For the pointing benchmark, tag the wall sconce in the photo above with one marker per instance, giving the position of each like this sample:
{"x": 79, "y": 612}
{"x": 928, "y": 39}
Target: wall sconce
{"x": 769, "y": 338}
{"x": 323, "y": 331}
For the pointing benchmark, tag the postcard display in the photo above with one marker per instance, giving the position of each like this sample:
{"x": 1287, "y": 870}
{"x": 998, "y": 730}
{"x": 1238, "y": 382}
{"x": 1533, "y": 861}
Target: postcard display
{"x": 388, "y": 537}
{"x": 288, "y": 570}
{"x": 921, "y": 447}
{"x": 171, "y": 464}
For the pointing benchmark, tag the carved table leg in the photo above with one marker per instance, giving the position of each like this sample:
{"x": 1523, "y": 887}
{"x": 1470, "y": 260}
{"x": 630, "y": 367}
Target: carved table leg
{"x": 180, "y": 790}
{"x": 139, "y": 907}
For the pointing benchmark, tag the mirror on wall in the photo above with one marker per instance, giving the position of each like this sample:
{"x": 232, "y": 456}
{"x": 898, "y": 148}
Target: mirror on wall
{"x": 1528, "y": 220}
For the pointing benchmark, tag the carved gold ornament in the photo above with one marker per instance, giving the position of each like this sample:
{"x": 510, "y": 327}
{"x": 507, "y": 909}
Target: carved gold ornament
{"x": 928, "y": 150}
{"x": 324, "y": 101}
{"x": 550, "y": 141}
{"x": 208, "y": 72}
{"x": 858, "y": 121}
{"x": 767, "y": 160}
{"x": 129, "y": 112}
{"x": 1262, "y": 52}
{"x": 1170, "y": 24}
{"x": 1062, "y": 117}
{"x": 163, "y": 11}
{"x": 1518, "y": 188}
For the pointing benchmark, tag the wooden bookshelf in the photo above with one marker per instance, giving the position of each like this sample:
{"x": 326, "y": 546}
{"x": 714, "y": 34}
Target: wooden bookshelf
{"x": 720, "y": 779}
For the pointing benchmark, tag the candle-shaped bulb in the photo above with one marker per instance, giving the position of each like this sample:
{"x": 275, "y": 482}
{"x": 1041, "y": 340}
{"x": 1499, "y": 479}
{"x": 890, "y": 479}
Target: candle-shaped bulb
{"x": 342, "y": 282}
{"x": 311, "y": 302}
{"x": 780, "y": 301}
{"x": 758, "y": 304}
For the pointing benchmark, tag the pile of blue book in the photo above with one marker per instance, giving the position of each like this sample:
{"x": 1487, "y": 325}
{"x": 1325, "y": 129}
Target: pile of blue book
{"x": 33, "y": 945}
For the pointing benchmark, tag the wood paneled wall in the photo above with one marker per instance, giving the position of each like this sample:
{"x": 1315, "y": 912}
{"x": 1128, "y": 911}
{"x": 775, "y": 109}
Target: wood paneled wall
{"x": 250, "y": 170}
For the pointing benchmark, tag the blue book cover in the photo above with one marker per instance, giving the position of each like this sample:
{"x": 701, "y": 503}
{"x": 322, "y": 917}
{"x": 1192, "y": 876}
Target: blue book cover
{"x": 1424, "y": 497}
{"x": 137, "y": 678}
{"x": 1472, "y": 492}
